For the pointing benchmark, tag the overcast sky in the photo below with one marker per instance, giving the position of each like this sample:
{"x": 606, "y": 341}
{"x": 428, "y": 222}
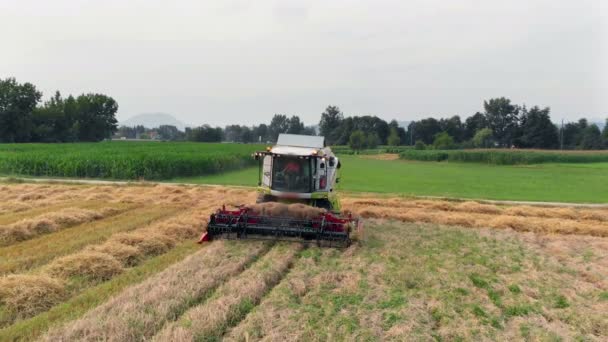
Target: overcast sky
{"x": 240, "y": 61}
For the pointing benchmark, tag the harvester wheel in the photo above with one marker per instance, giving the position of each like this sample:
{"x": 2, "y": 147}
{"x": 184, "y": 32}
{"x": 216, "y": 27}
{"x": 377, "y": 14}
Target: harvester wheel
{"x": 323, "y": 204}
{"x": 263, "y": 198}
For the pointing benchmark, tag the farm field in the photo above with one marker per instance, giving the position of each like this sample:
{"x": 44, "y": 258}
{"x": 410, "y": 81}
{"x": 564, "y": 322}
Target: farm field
{"x": 123, "y": 160}
{"x": 578, "y": 183}
{"x": 129, "y": 270}
{"x": 507, "y": 157}
{"x": 579, "y": 177}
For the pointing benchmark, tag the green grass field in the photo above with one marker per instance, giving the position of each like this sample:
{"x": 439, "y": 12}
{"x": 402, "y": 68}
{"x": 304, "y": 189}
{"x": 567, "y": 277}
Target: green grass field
{"x": 506, "y": 156}
{"x": 580, "y": 183}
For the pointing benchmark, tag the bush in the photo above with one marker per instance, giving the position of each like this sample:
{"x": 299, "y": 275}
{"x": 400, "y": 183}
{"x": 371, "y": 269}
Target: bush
{"x": 420, "y": 145}
{"x": 482, "y": 138}
{"x": 372, "y": 141}
{"x": 443, "y": 141}
{"x": 393, "y": 138}
{"x": 357, "y": 140}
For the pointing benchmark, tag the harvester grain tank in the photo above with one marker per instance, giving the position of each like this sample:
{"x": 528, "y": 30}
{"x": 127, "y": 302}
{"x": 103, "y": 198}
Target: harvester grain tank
{"x": 297, "y": 197}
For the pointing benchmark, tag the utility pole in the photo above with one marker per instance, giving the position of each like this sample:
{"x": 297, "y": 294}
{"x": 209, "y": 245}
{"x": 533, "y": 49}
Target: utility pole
{"x": 412, "y": 134}
{"x": 561, "y": 136}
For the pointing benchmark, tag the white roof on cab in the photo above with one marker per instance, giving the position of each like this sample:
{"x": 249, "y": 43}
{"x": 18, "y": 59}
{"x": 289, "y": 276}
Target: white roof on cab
{"x": 292, "y": 150}
{"x": 297, "y": 140}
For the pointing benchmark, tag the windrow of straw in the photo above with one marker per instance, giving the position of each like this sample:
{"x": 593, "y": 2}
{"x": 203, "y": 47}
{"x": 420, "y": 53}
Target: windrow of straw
{"x": 295, "y": 210}
{"x": 51, "y": 222}
{"x": 26, "y": 255}
{"x": 231, "y": 301}
{"x": 13, "y": 207}
{"x": 102, "y": 262}
{"x": 579, "y": 214}
{"x": 24, "y": 295}
{"x": 27, "y": 196}
{"x": 477, "y": 220}
{"x": 140, "y": 311}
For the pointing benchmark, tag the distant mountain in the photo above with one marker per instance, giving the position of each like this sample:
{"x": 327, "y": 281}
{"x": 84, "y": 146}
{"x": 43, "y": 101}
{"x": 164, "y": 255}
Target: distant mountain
{"x": 600, "y": 124}
{"x": 403, "y": 124}
{"x": 151, "y": 120}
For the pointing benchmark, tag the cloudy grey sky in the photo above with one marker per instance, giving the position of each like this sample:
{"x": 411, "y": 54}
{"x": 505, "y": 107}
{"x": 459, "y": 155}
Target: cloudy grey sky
{"x": 238, "y": 61}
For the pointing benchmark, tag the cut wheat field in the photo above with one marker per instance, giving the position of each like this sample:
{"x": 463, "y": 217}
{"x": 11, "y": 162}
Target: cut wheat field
{"x": 121, "y": 263}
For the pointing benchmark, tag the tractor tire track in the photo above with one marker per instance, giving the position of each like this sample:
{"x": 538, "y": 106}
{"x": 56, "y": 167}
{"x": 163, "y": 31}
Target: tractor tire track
{"x": 140, "y": 311}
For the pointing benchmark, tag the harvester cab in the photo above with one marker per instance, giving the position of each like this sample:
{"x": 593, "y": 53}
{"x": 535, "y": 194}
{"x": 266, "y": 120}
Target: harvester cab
{"x": 300, "y": 168}
{"x": 297, "y": 197}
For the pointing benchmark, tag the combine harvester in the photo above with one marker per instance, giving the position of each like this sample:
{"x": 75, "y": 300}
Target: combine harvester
{"x": 297, "y": 198}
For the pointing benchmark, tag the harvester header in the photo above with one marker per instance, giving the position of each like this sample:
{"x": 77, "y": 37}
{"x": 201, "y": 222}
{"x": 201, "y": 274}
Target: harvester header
{"x": 297, "y": 197}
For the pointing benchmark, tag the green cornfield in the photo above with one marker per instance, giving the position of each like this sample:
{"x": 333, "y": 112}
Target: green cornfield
{"x": 506, "y": 157}
{"x": 124, "y": 160}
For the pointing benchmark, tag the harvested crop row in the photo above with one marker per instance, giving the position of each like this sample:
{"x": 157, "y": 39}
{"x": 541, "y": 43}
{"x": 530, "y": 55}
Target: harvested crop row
{"x": 271, "y": 319}
{"x": 28, "y": 254}
{"x": 233, "y": 300}
{"x": 148, "y": 194}
{"x": 100, "y": 263}
{"x": 29, "y": 212}
{"x": 52, "y": 222}
{"x": 356, "y": 204}
{"x": 140, "y": 311}
{"x": 74, "y": 307}
{"x": 25, "y": 295}
{"x": 518, "y": 223}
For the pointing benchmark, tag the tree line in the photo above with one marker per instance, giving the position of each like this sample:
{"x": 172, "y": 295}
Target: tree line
{"x": 503, "y": 124}
{"x": 86, "y": 117}
{"x": 91, "y": 117}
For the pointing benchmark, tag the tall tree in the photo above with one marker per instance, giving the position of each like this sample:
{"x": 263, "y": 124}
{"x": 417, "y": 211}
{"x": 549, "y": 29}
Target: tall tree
{"x": 295, "y": 126}
{"x": 96, "y": 117}
{"x": 425, "y": 130}
{"x": 400, "y": 132}
{"x": 454, "y": 127}
{"x": 573, "y": 133}
{"x": 17, "y": 102}
{"x": 279, "y": 124}
{"x": 51, "y": 123}
{"x": 473, "y": 124}
{"x": 502, "y": 118}
{"x": 592, "y": 138}
{"x": 260, "y": 133}
{"x": 233, "y": 133}
{"x": 169, "y": 132}
{"x": 204, "y": 133}
{"x": 372, "y": 124}
{"x": 331, "y": 119}
{"x": 537, "y": 130}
